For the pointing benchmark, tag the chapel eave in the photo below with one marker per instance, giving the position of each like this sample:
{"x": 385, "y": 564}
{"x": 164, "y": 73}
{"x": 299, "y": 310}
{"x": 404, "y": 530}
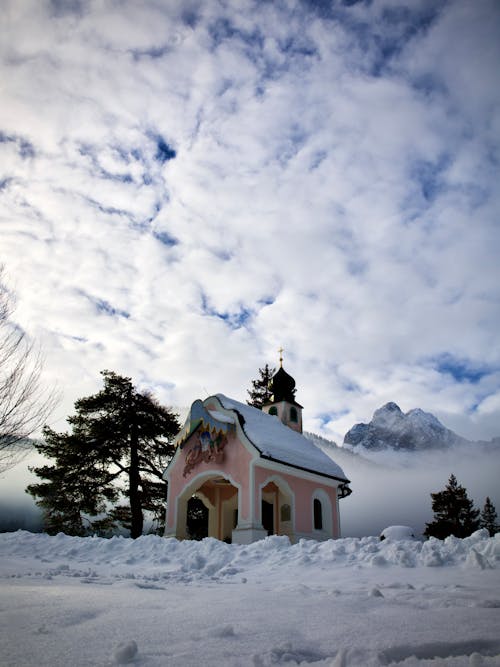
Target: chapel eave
{"x": 268, "y": 457}
{"x": 277, "y": 459}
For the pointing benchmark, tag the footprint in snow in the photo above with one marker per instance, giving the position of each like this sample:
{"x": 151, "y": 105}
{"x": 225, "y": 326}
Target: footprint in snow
{"x": 376, "y": 593}
{"x": 125, "y": 652}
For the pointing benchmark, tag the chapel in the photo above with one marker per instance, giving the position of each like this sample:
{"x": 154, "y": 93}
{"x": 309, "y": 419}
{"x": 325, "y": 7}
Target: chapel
{"x": 254, "y": 471}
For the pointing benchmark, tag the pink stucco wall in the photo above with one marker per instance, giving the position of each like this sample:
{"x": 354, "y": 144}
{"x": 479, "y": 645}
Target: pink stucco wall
{"x": 303, "y": 490}
{"x": 235, "y": 465}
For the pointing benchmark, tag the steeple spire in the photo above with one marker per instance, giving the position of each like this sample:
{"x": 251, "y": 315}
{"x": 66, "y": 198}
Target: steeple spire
{"x": 283, "y": 403}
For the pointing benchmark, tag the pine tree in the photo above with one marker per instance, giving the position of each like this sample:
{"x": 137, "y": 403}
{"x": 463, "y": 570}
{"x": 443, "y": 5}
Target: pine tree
{"x": 261, "y": 393}
{"x": 77, "y": 486}
{"x": 454, "y": 513}
{"x": 489, "y": 518}
{"x": 118, "y": 447}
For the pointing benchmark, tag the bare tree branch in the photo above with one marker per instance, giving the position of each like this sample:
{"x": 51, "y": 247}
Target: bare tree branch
{"x": 24, "y": 404}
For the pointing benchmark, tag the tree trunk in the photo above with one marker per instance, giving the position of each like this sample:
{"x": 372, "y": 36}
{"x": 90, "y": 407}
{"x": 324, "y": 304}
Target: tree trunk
{"x": 137, "y": 519}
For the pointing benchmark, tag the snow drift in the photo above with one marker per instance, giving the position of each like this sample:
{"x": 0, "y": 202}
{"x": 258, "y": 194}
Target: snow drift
{"x": 169, "y": 559}
{"x": 354, "y": 602}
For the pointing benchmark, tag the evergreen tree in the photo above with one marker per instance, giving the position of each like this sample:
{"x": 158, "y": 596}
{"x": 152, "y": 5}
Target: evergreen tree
{"x": 489, "y": 518}
{"x": 78, "y": 485}
{"x": 261, "y": 392}
{"x": 118, "y": 447}
{"x": 454, "y": 513}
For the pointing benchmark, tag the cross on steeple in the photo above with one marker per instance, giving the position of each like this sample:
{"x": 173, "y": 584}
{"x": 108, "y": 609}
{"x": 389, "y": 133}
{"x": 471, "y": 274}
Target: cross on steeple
{"x": 281, "y": 357}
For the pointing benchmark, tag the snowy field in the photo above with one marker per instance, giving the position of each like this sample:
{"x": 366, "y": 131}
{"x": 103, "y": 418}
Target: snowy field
{"x": 69, "y": 602}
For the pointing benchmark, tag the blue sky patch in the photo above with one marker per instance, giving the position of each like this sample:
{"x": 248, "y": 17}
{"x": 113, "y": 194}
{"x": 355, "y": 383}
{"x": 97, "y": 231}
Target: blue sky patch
{"x": 327, "y": 417}
{"x": 108, "y": 210}
{"x": 317, "y": 158}
{"x": 153, "y": 53}
{"x": 78, "y": 339}
{"x": 88, "y": 151}
{"x": 429, "y": 84}
{"x": 461, "y": 370}
{"x": 164, "y": 152}
{"x": 190, "y": 17}
{"x": 239, "y": 319}
{"x": 165, "y": 239}
{"x": 429, "y": 176}
{"x": 234, "y": 320}
{"x": 292, "y": 46}
{"x": 106, "y": 308}
{"x": 120, "y": 178}
{"x": 223, "y": 254}
{"x": 386, "y": 36}
{"x": 223, "y": 29}
{"x": 25, "y": 147}
{"x": 350, "y": 385}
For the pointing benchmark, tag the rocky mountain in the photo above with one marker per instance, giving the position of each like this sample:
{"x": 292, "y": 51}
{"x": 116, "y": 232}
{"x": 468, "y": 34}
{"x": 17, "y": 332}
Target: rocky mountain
{"x": 390, "y": 428}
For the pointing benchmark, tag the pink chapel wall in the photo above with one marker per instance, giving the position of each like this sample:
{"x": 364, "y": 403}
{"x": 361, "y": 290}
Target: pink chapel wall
{"x": 303, "y": 490}
{"x": 235, "y": 464}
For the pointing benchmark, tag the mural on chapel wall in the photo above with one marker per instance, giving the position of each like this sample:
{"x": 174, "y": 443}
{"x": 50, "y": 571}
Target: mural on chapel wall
{"x": 204, "y": 436}
{"x": 204, "y": 446}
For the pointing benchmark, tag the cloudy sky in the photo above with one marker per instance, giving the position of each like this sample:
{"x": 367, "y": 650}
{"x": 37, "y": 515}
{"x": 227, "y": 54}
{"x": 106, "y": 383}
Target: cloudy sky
{"x": 187, "y": 186}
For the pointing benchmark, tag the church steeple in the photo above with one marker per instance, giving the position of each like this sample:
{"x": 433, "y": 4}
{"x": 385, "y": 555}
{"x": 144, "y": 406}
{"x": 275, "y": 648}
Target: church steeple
{"x": 283, "y": 386}
{"x": 283, "y": 403}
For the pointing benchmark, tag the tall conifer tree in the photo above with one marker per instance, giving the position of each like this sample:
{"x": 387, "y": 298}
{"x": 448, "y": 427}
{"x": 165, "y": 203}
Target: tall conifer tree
{"x": 118, "y": 447}
{"x": 489, "y": 518}
{"x": 261, "y": 393}
{"x": 454, "y": 513}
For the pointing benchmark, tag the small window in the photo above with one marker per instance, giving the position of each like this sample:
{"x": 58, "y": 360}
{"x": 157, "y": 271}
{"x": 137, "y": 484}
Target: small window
{"x": 273, "y": 411}
{"x": 318, "y": 515}
{"x": 293, "y": 415}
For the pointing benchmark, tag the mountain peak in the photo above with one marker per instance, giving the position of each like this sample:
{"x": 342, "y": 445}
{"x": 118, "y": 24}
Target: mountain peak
{"x": 390, "y": 413}
{"x": 390, "y": 428}
{"x": 389, "y": 407}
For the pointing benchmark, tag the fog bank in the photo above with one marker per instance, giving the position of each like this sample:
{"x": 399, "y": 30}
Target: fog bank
{"x": 391, "y": 489}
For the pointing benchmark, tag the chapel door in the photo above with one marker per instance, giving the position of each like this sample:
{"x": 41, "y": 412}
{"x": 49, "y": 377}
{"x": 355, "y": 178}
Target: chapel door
{"x": 197, "y": 519}
{"x": 268, "y": 517}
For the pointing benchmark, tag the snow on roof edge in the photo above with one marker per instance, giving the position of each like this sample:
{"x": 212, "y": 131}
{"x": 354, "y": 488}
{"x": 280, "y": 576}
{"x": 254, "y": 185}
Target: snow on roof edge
{"x": 278, "y": 442}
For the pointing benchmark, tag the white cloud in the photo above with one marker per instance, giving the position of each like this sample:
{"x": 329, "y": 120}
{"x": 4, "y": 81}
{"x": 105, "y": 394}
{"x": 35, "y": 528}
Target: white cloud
{"x": 333, "y": 190}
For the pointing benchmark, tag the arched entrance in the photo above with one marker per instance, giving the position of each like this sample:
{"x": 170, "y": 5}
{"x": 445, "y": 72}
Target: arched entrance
{"x": 277, "y": 507}
{"x": 219, "y": 495}
{"x": 197, "y": 519}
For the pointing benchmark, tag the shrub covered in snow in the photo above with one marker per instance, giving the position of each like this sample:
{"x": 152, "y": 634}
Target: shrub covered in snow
{"x": 397, "y": 533}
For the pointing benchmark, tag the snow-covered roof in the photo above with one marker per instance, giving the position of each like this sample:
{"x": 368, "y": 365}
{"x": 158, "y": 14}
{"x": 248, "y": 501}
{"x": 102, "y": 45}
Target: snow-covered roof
{"x": 280, "y": 443}
{"x": 221, "y": 417}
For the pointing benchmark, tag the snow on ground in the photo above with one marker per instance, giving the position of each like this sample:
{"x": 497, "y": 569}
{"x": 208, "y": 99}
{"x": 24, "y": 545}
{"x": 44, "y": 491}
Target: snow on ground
{"x": 68, "y": 601}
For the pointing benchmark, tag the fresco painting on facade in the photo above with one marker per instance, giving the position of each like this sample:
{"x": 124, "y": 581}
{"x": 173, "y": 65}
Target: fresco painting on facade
{"x": 206, "y": 446}
{"x": 254, "y": 472}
